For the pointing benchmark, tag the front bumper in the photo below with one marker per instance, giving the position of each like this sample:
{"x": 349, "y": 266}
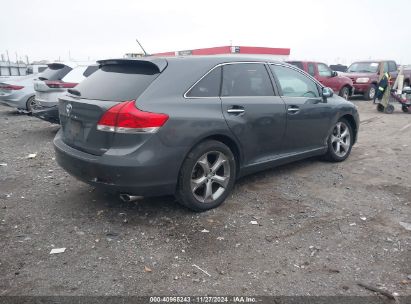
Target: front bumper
{"x": 361, "y": 88}
{"x": 120, "y": 174}
{"x": 50, "y": 114}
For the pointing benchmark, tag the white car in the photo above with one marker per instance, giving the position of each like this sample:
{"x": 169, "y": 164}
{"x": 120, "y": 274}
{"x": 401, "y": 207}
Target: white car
{"x": 48, "y": 91}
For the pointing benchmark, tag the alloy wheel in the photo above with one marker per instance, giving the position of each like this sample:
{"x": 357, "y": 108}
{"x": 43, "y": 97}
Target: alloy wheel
{"x": 32, "y": 104}
{"x": 346, "y": 94}
{"x": 341, "y": 139}
{"x": 372, "y": 92}
{"x": 210, "y": 176}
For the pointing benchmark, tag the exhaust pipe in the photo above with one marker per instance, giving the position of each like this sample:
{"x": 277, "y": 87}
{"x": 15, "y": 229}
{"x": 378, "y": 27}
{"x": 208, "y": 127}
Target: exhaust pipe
{"x": 129, "y": 198}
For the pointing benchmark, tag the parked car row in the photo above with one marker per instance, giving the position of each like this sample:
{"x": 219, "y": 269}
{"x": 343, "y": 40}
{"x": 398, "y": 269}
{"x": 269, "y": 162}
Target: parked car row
{"x": 38, "y": 93}
{"x": 360, "y": 78}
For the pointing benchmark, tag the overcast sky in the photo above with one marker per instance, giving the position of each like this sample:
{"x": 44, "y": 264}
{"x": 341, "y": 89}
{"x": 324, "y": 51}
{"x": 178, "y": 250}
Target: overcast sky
{"x": 332, "y": 31}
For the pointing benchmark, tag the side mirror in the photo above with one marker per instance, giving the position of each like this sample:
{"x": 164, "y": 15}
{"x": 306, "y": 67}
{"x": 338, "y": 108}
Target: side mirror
{"x": 327, "y": 92}
{"x": 334, "y": 73}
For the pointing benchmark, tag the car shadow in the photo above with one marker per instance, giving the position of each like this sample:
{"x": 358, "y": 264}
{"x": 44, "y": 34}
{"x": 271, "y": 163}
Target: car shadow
{"x": 357, "y": 98}
{"x": 156, "y": 207}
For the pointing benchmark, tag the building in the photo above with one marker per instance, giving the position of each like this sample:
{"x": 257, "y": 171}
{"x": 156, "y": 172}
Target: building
{"x": 12, "y": 69}
{"x": 277, "y": 53}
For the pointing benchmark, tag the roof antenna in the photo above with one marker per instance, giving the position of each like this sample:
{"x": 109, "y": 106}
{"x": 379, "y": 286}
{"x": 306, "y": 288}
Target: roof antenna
{"x": 145, "y": 53}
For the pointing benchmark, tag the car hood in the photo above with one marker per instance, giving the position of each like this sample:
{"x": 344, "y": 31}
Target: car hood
{"x": 358, "y": 75}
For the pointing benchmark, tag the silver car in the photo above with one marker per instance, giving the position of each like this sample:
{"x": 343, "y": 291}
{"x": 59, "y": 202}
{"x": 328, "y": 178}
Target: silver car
{"x": 18, "y": 92}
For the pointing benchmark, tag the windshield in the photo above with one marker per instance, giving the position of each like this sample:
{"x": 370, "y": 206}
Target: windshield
{"x": 363, "y": 67}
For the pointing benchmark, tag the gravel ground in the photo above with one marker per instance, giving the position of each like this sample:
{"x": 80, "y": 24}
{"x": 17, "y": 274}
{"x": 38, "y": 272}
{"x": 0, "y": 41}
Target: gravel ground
{"x": 321, "y": 227}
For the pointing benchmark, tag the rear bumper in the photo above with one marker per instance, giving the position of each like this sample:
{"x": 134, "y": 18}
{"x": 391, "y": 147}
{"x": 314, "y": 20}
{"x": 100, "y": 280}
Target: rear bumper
{"x": 48, "y": 98}
{"x": 122, "y": 174}
{"x": 50, "y": 114}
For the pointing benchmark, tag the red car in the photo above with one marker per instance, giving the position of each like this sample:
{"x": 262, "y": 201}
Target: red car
{"x": 365, "y": 75}
{"x": 329, "y": 78}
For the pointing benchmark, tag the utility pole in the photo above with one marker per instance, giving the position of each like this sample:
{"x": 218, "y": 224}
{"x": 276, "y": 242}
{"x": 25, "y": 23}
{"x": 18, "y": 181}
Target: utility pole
{"x": 8, "y": 59}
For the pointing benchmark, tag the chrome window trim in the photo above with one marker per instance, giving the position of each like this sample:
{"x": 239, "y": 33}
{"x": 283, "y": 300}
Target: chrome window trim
{"x": 220, "y": 65}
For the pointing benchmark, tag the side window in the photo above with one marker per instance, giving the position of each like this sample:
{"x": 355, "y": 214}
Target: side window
{"x": 209, "y": 86}
{"x": 386, "y": 66}
{"x": 246, "y": 79}
{"x": 324, "y": 70}
{"x": 392, "y": 67}
{"x": 293, "y": 83}
{"x": 311, "y": 69}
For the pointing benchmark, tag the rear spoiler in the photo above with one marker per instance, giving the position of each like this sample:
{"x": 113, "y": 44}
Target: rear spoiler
{"x": 158, "y": 63}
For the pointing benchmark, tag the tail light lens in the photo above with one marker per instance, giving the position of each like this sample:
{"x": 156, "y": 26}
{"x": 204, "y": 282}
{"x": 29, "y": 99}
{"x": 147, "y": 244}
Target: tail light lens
{"x": 126, "y": 118}
{"x": 60, "y": 84}
{"x": 10, "y": 87}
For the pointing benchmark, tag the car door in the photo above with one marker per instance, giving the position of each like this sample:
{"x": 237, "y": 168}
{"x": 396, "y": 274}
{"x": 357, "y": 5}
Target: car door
{"x": 325, "y": 77}
{"x": 253, "y": 112}
{"x": 308, "y": 114}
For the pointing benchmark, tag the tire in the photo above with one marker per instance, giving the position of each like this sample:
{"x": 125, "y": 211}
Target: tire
{"x": 405, "y": 109}
{"x": 30, "y": 104}
{"x": 389, "y": 109}
{"x": 339, "y": 145}
{"x": 197, "y": 176}
{"x": 380, "y": 107}
{"x": 370, "y": 93}
{"x": 345, "y": 92}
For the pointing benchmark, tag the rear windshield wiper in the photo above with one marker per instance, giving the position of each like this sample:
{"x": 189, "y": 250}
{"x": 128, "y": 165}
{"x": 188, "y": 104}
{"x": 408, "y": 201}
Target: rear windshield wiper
{"x": 74, "y": 92}
{"x": 42, "y": 78}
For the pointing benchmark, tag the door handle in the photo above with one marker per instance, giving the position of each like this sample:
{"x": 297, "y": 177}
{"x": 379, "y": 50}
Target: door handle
{"x": 293, "y": 109}
{"x": 236, "y": 110}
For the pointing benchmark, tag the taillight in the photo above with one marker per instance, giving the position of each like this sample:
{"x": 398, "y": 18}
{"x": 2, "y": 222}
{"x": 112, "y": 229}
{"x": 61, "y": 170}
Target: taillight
{"x": 10, "y": 87}
{"x": 60, "y": 84}
{"x": 126, "y": 118}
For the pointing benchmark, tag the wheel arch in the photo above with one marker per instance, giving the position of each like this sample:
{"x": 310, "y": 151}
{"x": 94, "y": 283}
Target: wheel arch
{"x": 28, "y": 98}
{"x": 225, "y": 139}
{"x": 352, "y": 123}
{"x": 350, "y": 88}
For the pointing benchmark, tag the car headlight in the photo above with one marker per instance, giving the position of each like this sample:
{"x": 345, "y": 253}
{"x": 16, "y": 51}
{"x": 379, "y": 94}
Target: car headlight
{"x": 362, "y": 80}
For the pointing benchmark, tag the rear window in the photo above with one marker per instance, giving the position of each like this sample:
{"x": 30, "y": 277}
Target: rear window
{"x": 118, "y": 82}
{"x": 55, "y": 71}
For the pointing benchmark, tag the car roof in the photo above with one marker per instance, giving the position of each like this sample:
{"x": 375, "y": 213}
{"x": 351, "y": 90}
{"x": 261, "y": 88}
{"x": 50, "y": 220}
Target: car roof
{"x": 377, "y": 60}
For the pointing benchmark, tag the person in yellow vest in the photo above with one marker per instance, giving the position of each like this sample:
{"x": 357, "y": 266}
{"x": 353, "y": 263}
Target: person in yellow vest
{"x": 382, "y": 86}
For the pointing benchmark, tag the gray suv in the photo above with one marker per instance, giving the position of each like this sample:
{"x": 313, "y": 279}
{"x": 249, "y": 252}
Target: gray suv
{"x": 190, "y": 126}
